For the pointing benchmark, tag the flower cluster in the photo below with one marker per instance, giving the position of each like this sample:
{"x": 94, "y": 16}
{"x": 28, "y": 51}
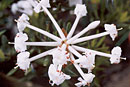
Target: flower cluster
{"x": 65, "y": 48}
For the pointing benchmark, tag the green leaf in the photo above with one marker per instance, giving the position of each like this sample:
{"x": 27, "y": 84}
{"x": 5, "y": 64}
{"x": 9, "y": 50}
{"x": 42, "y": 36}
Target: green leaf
{"x": 68, "y": 27}
{"x": 65, "y": 84}
{"x": 46, "y": 61}
{"x": 2, "y": 56}
{"x": 124, "y": 17}
{"x": 70, "y": 72}
{"x": 123, "y": 38}
{"x": 100, "y": 42}
{"x": 12, "y": 71}
{"x": 4, "y": 40}
{"x": 2, "y": 32}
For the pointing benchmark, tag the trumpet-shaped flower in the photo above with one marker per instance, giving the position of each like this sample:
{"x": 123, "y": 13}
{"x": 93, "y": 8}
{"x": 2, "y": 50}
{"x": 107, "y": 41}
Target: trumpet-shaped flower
{"x": 23, "y": 60}
{"x": 23, "y": 7}
{"x": 60, "y": 56}
{"x": 116, "y": 55}
{"x": 87, "y": 61}
{"x": 22, "y": 21}
{"x": 80, "y": 10}
{"x": 65, "y": 48}
{"x": 33, "y": 2}
{"x": 20, "y": 39}
{"x": 42, "y": 3}
{"x": 55, "y": 76}
{"x": 89, "y": 78}
{"x": 111, "y": 29}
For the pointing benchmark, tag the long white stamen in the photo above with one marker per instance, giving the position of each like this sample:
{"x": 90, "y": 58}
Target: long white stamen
{"x": 40, "y": 43}
{"x": 96, "y": 52}
{"x": 90, "y": 26}
{"x": 41, "y": 55}
{"x": 55, "y": 23}
{"x": 73, "y": 27}
{"x": 72, "y": 50}
{"x": 78, "y": 67}
{"x": 44, "y": 33}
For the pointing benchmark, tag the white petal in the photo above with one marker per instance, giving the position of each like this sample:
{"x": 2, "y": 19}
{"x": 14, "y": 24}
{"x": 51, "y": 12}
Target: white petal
{"x": 56, "y": 77}
{"x": 111, "y": 29}
{"x": 23, "y": 60}
{"x": 80, "y": 10}
{"x": 33, "y": 2}
{"x": 116, "y": 53}
{"x": 60, "y": 55}
{"x": 20, "y": 39}
{"x": 44, "y": 3}
{"x": 14, "y": 8}
{"x": 22, "y": 21}
{"x": 37, "y": 8}
{"x": 89, "y": 78}
{"x": 23, "y": 7}
{"x": 87, "y": 61}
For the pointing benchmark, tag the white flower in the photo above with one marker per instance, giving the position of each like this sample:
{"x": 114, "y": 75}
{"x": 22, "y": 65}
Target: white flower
{"x": 33, "y": 2}
{"x": 22, "y": 21}
{"x": 74, "y": 2}
{"x": 80, "y": 10}
{"x": 42, "y": 3}
{"x": 116, "y": 55}
{"x": 87, "y": 61}
{"x": 23, "y": 60}
{"x": 60, "y": 56}
{"x": 65, "y": 49}
{"x": 55, "y": 76}
{"x": 20, "y": 39}
{"x": 14, "y": 8}
{"x": 111, "y": 29}
{"x": 89, "y": 78}
{"x": 22, "y": 6}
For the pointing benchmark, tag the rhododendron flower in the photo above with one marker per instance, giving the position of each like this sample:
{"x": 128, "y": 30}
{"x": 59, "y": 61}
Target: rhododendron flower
{"x": 80, "y": 10}
{"x": 60, "y": 56}
{"x": 19, "y": 43}
{"x": 55, "y": 76}
{"x": 23, "y": 6}
{"x": 111, "y": 29}
{"x": 64, "y": 46}
{"x": 116, "y": 55}
{"x": 87, "y": 61}
{"x": 89, "y": 78}
{"x": 22, "y": 21}
{"x": 23, "y": 60}
{"x": 43, "y": 3}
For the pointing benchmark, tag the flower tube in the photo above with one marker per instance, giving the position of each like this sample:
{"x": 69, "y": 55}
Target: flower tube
{"x": 44, "y": 33}
{"x": 89, "y": 27}
{"x": 41, "y": 55}
{"x": 79, "y": 11}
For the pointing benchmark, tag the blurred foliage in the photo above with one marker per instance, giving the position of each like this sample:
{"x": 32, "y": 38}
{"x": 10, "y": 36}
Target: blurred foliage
{"x": 108, "y": 11}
